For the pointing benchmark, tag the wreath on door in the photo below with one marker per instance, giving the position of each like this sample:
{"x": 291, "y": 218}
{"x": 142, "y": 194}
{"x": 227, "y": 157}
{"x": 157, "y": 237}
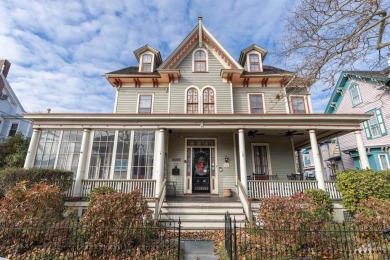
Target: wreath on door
{"x": 199, "y": 162}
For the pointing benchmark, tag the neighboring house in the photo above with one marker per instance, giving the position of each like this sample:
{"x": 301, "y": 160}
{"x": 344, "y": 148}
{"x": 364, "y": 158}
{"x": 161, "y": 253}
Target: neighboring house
{"x": 198, "y": 121}
{"x": 364, "y": 92}
{"x": 11, "y": 119}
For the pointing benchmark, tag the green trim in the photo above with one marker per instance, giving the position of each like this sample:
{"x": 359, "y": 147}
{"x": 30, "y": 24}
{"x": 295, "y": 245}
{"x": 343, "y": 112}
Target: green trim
{"x": 377, "y": 112}
{"x": 358, "y": 90}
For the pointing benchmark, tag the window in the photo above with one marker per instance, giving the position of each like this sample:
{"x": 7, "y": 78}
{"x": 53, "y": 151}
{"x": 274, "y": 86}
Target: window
{"x": 200, "y": 61}
{"x": 254, "y": 64}
{"x": 146, "y": 65}
{"x": 145, "y": 104}
{"x": 47, "y": 149}
{"x": 192, "y": 101}
{"x": 208, "y": 101}
{"x": 69, "y": 153}
{"x": 384, "y": 162}
{"x": 101, "y": 156}
{"x": 13, "y": 129}
{"x": 261, "y": 163}
{"x": 375, "y": 126}
{"x": 143, "y": 153}
{"x": 356, "y": 98}
{"x": 122, "y": 154}
{"x": 256, "y": 103}
{"x": 306, "y": 159}
{"x": 298, "y": 105}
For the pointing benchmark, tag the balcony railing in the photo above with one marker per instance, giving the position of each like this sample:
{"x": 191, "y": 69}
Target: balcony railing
{"x": 147, "y": 187}
{"x": 285, "y": 188}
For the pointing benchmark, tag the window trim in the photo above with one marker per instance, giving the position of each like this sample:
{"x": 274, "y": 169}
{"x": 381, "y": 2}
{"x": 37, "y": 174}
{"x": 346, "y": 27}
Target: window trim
{"x": 268, "y": 156}
{"x": 377, "y": 112}
{"x": 201, "y": 100}
{"x": 354, "y": 84}
{"x": 151, "y": 103}
{"x": 305, "y": 107}
{"x": 186, "y": 99}
{"x": 250, "y": 104}
{"x": 206, "y": 61}
{"x": 142, "y": 63}
{"x": 387, "y": 160}
{"x": 258, "y": 63}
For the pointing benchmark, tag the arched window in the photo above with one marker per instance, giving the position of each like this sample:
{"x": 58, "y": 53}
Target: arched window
{"x": 192, "y": 101}
{"x": 254, "y": 62}
{"x": 146, "y": 63}
{"x": 200, "y": 61}
{"x": 208, "y": 101}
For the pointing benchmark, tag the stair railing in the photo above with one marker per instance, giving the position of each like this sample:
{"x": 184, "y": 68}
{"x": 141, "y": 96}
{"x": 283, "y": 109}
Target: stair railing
{"x": 246, "y": 202}
{"x": 159, "y": 200}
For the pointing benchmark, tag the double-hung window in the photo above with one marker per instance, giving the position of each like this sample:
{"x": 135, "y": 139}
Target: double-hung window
{"x": 384, "y": 162}
{"x": 192, "y": 101}
{"x": 200, "y": 61}
{"x": 298, "y": 105}
{"x": 208, "y": 101}
{"x": 145, "y": 104}
{"x": 256, "y": 103}
{"x": 254, "y": 63}
{"x": 13, "y": 129}
{"x": 356, "y": 98}
{"x": 375, "y": 126}
{"x": 146, "y": 63}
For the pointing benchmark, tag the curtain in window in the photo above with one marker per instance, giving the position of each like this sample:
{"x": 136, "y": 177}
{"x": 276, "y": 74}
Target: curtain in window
{"x": 208, "y": 101}
{"x": 261, "y": 161}
{"x": 192, "y": 101}
{"x": 298, "y": 105}
{"x": 256, "y": 103}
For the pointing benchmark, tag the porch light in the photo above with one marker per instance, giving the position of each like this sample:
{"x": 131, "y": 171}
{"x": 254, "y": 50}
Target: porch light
{"x": 226, "y": 159}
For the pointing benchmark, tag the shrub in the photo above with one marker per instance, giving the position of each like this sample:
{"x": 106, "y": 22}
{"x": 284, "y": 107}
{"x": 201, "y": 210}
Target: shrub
{"x": 373, "y": 214}
{"x": 13, "y": 151}
{"x": 100, "y": 191}
{"x": 116, "y": 219}
{"x": 27, "y": 211}
{"x": 321, "y": 199}
{"x": 10, "y": 176}
{"x": 358, "y": 185}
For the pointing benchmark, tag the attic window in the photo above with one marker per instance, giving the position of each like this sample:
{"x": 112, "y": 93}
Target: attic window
{"x": 254, "y": 63}
{"x": 146, "y": 65}
{"x": 200, "y": 61}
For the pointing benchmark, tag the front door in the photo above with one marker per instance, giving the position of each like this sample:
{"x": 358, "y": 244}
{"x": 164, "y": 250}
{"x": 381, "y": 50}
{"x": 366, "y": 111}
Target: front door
{"x": 201, "y": 163}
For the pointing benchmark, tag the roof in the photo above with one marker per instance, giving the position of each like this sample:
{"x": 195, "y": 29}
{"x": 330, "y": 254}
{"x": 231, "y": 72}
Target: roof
{"x": 250, "y": 48}
{"x": 11, "y": 92}
{"x": 382, "y": 74}
{"x": 268, "y": 70}
{"x": 131, "y": 71}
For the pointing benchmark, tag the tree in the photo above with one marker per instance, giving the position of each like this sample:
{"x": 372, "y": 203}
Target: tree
{"x": 13, "y": 151}
{"x": 328, "y": 36}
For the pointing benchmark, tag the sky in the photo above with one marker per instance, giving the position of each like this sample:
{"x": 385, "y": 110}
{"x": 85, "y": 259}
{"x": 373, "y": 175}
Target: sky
{"x": 60, "y": 49}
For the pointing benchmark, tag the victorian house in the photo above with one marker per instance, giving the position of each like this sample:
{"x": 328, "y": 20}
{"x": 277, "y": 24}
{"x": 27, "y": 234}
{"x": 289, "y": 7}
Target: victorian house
{"x": 194, "y": 124}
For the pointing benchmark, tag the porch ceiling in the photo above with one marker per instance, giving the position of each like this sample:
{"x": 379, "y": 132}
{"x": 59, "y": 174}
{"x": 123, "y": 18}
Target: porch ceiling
{"x": 326, "y": 125}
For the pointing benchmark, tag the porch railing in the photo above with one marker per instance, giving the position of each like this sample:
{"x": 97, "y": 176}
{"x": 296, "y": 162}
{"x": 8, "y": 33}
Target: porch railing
{"x": 69, "y": 192}
{"x": 147, "y": 187}
{"x": 282, "y": 188}
{"x": 245, "y": 201}
{"x": 160, "y": 199}
{"x": 330, "y": 187}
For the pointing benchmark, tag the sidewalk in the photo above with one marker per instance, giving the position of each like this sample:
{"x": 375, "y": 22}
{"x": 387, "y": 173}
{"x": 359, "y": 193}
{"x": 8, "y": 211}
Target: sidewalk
{"x": 202, "y": 250}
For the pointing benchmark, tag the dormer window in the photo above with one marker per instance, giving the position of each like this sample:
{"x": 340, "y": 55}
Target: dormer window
{"x": 254, "y": 62}
{"x": 146, "y": 65}
{"x": 200, "y": 61}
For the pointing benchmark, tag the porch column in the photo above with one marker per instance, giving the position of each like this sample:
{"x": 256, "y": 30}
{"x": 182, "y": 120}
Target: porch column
{"x": 300, "y": 163}
{"x": 317, "y": 160}
{"x": 160, "y": 145}
{"x": 362, "y": 150}
{"x": 82, "y": 163}
{"x": 32, "y": 149}
{"x": 243, "y": 173}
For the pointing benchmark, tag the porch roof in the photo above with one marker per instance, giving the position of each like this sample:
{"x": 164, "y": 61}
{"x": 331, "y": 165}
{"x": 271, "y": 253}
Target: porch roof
{"x": 326, "y": 125}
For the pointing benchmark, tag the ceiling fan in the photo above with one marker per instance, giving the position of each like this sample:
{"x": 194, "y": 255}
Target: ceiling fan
{"x": 252, "y": 133}
{"x": 290, "y": 134}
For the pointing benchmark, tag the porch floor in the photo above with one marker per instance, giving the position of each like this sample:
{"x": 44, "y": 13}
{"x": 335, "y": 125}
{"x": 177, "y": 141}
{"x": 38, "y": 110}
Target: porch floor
{"x": 202, "y": 198}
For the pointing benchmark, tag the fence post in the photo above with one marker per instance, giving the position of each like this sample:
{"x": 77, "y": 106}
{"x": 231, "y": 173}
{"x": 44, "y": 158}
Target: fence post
{"x": 235, "y": 239}
{"x": 178, "y": 242}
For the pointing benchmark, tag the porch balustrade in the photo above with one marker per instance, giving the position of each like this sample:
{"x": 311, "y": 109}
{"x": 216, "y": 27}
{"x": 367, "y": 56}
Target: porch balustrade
{"x": 259, "y": 189}
{"x": 147, "y": 187}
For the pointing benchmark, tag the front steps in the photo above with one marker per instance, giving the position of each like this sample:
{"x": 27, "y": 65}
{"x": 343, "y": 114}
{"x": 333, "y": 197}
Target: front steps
{"x": 201, "y": 215}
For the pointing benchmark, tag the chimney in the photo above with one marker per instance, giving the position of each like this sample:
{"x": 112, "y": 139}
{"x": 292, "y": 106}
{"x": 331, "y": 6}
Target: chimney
{"x": 4, "y": 67}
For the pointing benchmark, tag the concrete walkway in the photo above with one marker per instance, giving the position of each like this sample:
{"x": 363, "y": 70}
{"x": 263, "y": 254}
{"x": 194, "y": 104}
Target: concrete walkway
{"x": 198, "y": 250}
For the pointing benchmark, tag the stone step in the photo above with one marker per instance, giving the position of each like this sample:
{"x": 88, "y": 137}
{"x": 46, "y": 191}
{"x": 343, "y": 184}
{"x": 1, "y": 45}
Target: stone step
{"x": 195, "y": 224}
{"x": 200, "y": 217}
{"x": 201, "y": 210}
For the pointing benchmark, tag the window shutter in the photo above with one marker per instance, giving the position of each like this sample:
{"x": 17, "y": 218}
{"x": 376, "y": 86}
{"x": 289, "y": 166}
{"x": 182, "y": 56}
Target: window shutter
{"x": 381, "y": 122}
{"x": 367, "y": 130}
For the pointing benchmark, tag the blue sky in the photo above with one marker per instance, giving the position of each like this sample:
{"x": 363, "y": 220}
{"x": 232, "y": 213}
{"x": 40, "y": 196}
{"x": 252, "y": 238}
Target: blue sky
{"x": 60, "y": 49}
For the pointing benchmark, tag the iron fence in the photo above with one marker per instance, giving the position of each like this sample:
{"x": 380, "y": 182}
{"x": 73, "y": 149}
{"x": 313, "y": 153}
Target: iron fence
{"x": 73, "y": 240}
{"x": 335, "y": 241}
